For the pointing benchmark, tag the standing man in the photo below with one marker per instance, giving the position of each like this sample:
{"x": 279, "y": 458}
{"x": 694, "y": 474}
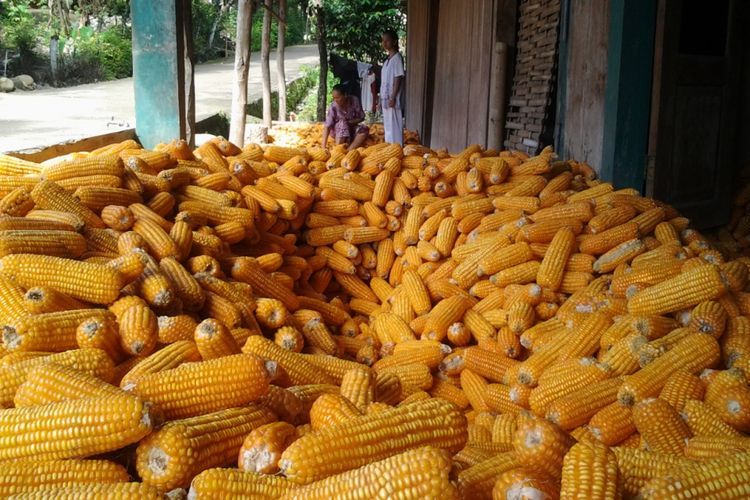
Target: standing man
{"x": 391, "y": 83}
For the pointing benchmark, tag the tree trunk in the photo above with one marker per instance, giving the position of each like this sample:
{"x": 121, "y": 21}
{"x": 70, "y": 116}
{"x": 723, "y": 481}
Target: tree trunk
{"x": 280, "y": 74}
{"x": 241, "y": 65}
{"x": 223, "y": 6}
{"x": 265, "y": 53}
{"x": 320, "y": 34}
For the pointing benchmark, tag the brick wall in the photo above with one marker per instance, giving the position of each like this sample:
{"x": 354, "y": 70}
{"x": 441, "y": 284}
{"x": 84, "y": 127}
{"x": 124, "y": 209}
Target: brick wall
{"x": 530, "y": 112}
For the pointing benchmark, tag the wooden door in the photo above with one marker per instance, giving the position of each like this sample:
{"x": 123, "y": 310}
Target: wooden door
{"x": 462, "y": 69}
{"x": 699, "y": 92}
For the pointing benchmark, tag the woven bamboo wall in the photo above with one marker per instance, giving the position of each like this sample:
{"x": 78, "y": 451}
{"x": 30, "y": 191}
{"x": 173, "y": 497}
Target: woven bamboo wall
{"x": 531, "y": 107}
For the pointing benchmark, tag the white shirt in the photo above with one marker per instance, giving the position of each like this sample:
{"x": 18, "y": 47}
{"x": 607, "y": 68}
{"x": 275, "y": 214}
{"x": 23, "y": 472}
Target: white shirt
{"x": 392, "y": 69}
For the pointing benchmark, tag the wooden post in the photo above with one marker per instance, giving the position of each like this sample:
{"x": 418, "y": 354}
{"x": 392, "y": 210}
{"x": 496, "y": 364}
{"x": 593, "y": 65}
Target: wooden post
{"x": 241, "y": 65}
{"x": 53, "y": 43}
{"x": 498, "y": 76}
{"x": 280, "y": 73}
{"x": 188, "y": 70}
{"x": 265, "y": 52}
{"x": 320, "y": 21}
{"x": 628, "y": 92}
{"x": 159, "y": 70}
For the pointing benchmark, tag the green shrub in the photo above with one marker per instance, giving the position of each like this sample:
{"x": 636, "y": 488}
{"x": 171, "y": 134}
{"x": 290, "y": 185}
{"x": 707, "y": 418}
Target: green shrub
{"x": 296, "y": 92}
{"x": 112, "y": 48}
{"x": 17, "y": 27}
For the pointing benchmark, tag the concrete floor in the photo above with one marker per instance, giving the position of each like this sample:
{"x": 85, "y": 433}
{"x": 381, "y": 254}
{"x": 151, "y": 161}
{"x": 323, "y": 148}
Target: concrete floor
{"x": 53, "y": 115}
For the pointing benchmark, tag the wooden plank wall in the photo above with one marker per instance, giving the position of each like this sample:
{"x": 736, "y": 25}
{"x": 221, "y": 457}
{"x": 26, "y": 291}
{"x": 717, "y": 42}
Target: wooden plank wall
{"x": 586, "y": 80}
{"x": 462, "y": 65}
{"x": 743, "y": 151}
{"x": 417, "y": 55}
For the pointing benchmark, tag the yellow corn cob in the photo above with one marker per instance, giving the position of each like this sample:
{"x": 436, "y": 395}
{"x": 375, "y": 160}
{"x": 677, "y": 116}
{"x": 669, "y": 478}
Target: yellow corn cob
{"x": 183, "y": 283}
{"x": 216, "y": 214}
{"x": 194, "y": 388}
{"x": 79, "y": 167}
{"x": 735, "y": 344}
{"x": 637, "y": 467}
{"x": 541, "y": 445}
{"x": 477, "y": 481}
{"x": 429, "y": 468}
{"x": 577, "y": 408}
{"x": 331, "y": 409}
{"x": 95, "y": 492}
{"x": 449, "y": 392}
{"x": 680, "y": 387}
{"x": 100, "y": 332}
{"x": 611, "y": 218}
{"x": 590, "y": 471}
{"x": 52, "y": 332}
{"x": 413, "y": 375}
{"x": 358, "y": 386}
{"x": 685, "y": 290}
{"x": 182, "y": 237}
{"x": 233, "y": 483}
{"x": 262, "y": 448}
{"x": 12, "y": 302}
{"x": 22, "y": 476}
{"x": 289, "y": 338}
{"x": 660, "y": 426}
{"x": 521, "y": 317}
{"x": 315, "y": 331}
{"x": 445, "y": 313}
{"x": 708, "y": 447}
{"x": 46, "y": 242}
{"x": 582, "y": 372}
{"x": 601, "y": 243}
{"x": 530, "y": 482}
{"x": 39, "y": 300}
{"x": 509, "y": 256}
{"x": 432, "y": 422}
{"x": 703, "y": 420}
{"x": 88, "y": 282}
{"x": 530, "y": 369}
{"x": 612, "y": 424}
{"x": 584, "y": 340}
{"x": 17, "y": 202}
{"x": 158, "y": 241}
{"x": 652, "y": 350}
{"x": 142, "y": 212}
{"x": 709, "y": 317}
{"x": 181, "y": 449}
{"x": 92, "y": 361}
{"x": 519, "y": 274}
{"x": 720, "y": 478}
{"x": 96, "y": 198}
{"x": 50, "y": 196}
{"x": 214, "y": 340}
{"x": 50, "y": 383}
{"x": 283, "y": 403}
{"x": 416, "y": 291}
{"x": 171, "y": 356}
{"x": 138, "y": 330}
{"x": 299, "y": 370}
{"x": 107, "y": 424}
{"x": 551, "y": 270}
{"x": 692, "y": 354}
{"x": 248, "y": 271}
{"x": 10, "y": 165}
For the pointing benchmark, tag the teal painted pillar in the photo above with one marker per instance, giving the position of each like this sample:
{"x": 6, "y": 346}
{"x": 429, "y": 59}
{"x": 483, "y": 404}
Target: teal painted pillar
{"x": 159, "y": 59}
{"x": 627, "y": 101}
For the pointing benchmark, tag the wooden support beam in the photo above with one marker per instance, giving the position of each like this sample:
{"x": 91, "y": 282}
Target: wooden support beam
{"x": 162, "y": 70}
{"x": 628, "y": 92}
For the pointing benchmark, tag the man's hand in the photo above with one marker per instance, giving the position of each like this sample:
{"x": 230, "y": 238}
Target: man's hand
{"x": 392, "y": 102}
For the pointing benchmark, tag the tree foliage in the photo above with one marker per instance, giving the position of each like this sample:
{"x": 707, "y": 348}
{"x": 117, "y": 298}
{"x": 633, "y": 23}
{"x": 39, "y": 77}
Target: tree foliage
{"x": 354, "y": 26}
